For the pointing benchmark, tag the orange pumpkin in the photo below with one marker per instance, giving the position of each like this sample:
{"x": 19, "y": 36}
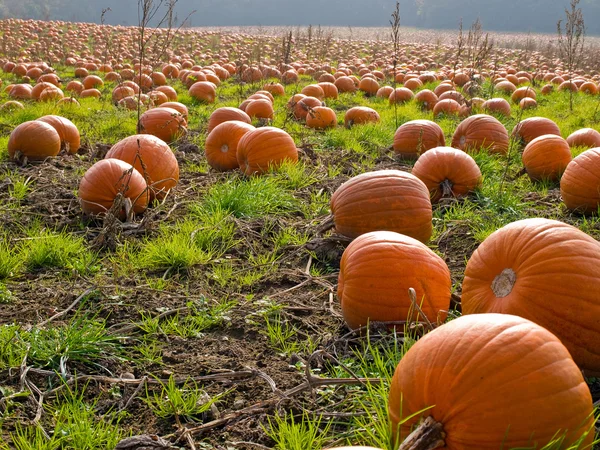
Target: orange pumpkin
{"x": 70, "y": 139}
{"x": 523, "y": 92}
{"x": 545, "y": 271}
{"x": 585, "y": 137}
{"x": 447, "y": 106}
{"x": 376, "y": 271}
{"x": 204, "y": 91}
{"x": 35, "y": 140}
{"x": 481, "y": 132}
{"x": 546, "y": 157}
{"x": 359, "y": 115}
{"x": 329, "y": 89}
{"x": 225, "y": 114}
{"x": 164, "y": 123}
{"x": 400, "y": 95}
{"x": 222, "y": 143}
{"x": 369, "y": 86}
{"x": 102, "y": 182}
{"x": 260, "y": 109}
{"x": 507, "y": 383}
{"x": 529, "y": 129}
{"x": 265, "y": 148}
{"x": 313, "y": 90}
{"x": 447, "y": 172}
{"x": 426, "y": 99}
{"x": 321, "y": 117}
{"x": 179, "y": 107}
{"x": 345, "y": 84}
{"x": 416, "y": 137}
{"x": 152, "y": 158}
{"x": 580, "y": 183}
{"x": 497, "y": 106}
{"x": 20, "y": 91}
{"x": 304, "y": 105}
{"x": 383, "y": 200}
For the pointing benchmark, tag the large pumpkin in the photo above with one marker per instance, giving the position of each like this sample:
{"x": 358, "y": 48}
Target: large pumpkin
{"x": 152, "y": 158}
{"x": 164, "y": 123}
{"x": 481, "y": 132}
{"x": 487, "y": 382}
{"x": 546, "y": 157}
{"x": 204, "y": 91}
{"x": 384, "y": 200}
{"x": 222, "y": 143}
{"x": 68, "y": 132}
{"x": 447, "y": 172}
{"x": 585, "y": 137}
{"x": 321, "y": 117}
{"x": 580, "y": 183}
{"x": 35, "y": 140}
{"x": 102, "y": 182}
{"x": 264, "y": 148}
{"x": 547, "y": 272}
{"x": 377, "y": 270}
{"x": 529, "y": 129}
{"x": 225, "y": 114}
{"x": 416, "y": 137}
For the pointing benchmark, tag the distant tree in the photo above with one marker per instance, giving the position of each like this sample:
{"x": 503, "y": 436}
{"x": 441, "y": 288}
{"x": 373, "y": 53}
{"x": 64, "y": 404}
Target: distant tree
{"x": 571, "y": 40}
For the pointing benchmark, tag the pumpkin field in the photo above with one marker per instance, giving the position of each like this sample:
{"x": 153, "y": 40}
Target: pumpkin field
{"x": 215, "y": 239}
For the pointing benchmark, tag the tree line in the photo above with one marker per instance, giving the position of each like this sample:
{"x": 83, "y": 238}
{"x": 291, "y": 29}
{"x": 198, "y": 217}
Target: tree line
{"x": 497, "y": 15}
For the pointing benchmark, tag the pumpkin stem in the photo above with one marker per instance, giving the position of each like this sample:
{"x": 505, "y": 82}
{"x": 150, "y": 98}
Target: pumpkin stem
{"x": 446, "y": 187}
{"x": 429, "y": 435}
{"x": 504, "y": 283}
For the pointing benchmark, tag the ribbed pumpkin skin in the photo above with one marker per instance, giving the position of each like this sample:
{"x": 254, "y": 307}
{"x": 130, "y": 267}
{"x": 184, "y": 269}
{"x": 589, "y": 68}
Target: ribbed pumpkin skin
{"x": 586, "y": 137}
{"x": 546, "y": 157}
{"x": 446, "y": 164}
{"x": 260, "y": 109}
{"x": 376, "y": 271}
{"x": 529, "y": 129}
{"x": 359, "y": 115}
{"x": 69, "y": 134}
{"x": 383, "y": 200}
{"x": 179, "y": 107}
{"x": 225, "y": 114}
{"x": 34, "y": 139}
{"x": 205, "y": 91}
{"x": 494, "y": 381}
{"x": 264, "y": 148}
{"x": 161, "y": 168}
{"x": 104, "y": 180}
{"x": 481, "y": 132}
{"x": 556, "y": 286}
{"x": 222, "y": 143}
{"x": 498, "y": 106}
{"x": 164, "y": 123}
{"x": 580, "y": 183}
{"x": 416, "y": 137}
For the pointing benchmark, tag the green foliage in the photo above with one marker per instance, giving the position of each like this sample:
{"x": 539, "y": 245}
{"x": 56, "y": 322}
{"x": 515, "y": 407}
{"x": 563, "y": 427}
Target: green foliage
{"x": 289, "y": 434}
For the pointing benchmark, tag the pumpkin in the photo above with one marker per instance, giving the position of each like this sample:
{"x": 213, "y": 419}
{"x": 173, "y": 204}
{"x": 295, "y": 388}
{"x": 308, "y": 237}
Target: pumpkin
{"x": 345, "y": 84}
{"x": 359, "y": 115}
{"x": 585, "y": 137}
{"x": 481, "y": 132}
{"x": 260, "y": 109}
{"x": 383, "y": 200}
{"x": 376, "y": 271}
{"x": 102, "y": 182}
{"x": 546, "y": 157}
{"x": 12, "y": 105}
{"x": 489, "y": 381}
{"x": 152, "y": 158}
{"x": 329, "y": 89}
{"x": 222, "y": 143}
{"x": 51, "y": 93}
{"x": 521, "y": 93}
{"x": 179, "y": 107}
{"x": 313, "y": 90}
{"x": 447, "y": 172}
{"x": 92, "y": 81}
{"x": 264, "y": 148}
{"x": 120, "y": 92}
{"x": 94, "y": 93}
{"x": 20, "y": 91}
{"x": 416, "y": 137}
{"x": 497, "y": 106}
{"x": 204, "y": 91}
{"x": 37, "y": 90}
{"x": 426, "y": 99}
{"x": 400, "y": 95}
{"x": 369, "y": 86}
{"x": 447, "y": 106}
{"x": 321, "y": 117}
{"x": 157, "y": 97}
{"x": 67, "y": 131}
{"x": 35, "y": 140}
{"x": 225, "y": 114}
{"x": 164, "y": 123}
{"x": 384, "y": 92}
{"x": 589, "y": 87}
{"x": 274, "y": 89}
{"x": 453, "y": 95}
{"x": 168, "y": 91}
{"x": 505, "y": 86}
{"x": 304, "y": 105}
{"x": 529, "y": 129}
{"x": 580, "y": 183}
{"x": 545, "y": 271}
{"x": 528, "y": 103}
